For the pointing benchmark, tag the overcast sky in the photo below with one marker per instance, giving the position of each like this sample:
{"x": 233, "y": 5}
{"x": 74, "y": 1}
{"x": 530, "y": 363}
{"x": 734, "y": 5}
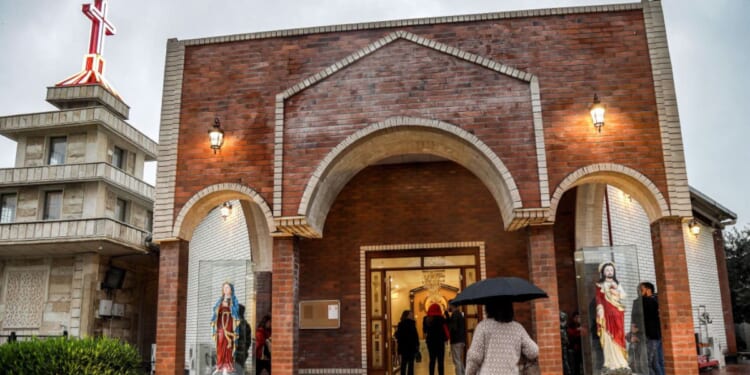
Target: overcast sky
{"x": 43, "y": 42}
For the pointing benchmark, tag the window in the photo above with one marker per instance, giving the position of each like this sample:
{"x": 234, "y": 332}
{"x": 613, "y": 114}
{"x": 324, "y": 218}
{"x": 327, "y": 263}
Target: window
{"x": 57, "y": 146}
{"x": 53, "y": 205}
{"x": 118, "y": 157}
{"x": 120, "y": 209}
{"x": 149, "y": 221}
{"x": 8, "y": 208}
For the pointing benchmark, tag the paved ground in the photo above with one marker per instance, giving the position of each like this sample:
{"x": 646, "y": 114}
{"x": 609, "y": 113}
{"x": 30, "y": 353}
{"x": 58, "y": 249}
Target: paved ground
{"x": 730, "y": 370}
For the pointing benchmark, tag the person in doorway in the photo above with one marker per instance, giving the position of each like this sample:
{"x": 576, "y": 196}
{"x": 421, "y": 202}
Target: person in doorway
{"x": 408, "y": 342}
{"x": 499, "y": 342}
{"x": 225, "y": 329}
{"x": 244, "y": 341}
{"x": 652, "y": 326}
{"x": 575, "y": 353}
{"x": 610, "y": 319}
{"x": 564, "y": 343}
{"x": 436, "y": 334}
{"x": 457, "y": 330}
{"x": 263, "y": 346}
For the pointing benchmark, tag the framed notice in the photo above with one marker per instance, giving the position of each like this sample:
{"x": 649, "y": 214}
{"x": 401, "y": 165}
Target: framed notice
{"x": 320, "y": 314}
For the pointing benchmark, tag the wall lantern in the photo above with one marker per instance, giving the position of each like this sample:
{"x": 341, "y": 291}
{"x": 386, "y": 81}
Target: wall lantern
{"x": 597, "y": 113}
{"x": 694, "y": 227}
{"x": 216, "y": 135}
{"x": 225, "y": 210}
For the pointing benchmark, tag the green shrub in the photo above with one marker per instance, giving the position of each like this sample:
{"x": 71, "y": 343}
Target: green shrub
{"x": 61, "y": 356}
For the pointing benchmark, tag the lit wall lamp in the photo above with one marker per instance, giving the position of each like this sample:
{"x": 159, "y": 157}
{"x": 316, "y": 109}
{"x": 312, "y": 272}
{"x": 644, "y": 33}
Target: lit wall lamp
{"x": 216, "y": 135}
{"x": 694, "y": 227}
{"x": 597, "y": 113}
{"x": 225, "y": 210}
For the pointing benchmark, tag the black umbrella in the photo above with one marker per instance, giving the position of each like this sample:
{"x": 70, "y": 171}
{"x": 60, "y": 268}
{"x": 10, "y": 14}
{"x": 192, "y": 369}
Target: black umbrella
{"x": 499, "y": 288}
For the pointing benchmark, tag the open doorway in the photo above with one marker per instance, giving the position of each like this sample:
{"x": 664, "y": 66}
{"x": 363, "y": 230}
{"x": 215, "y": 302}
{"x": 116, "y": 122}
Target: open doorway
{"x": 414, "y": 280}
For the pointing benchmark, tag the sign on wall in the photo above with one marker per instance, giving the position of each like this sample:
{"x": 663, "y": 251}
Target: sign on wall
{"x": 320, "y": 314}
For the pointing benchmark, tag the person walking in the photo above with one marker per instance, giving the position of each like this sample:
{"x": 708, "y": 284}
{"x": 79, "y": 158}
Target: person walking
{"x": 436, "y": 334}
{"x": 408, "y": 342}
{"x": 263, "y": 347}
{"x": 499, "y": 342}
{"x": 457, "y": 330}
{"x": 244, "y": 341}
{"x": 652, "y": 324}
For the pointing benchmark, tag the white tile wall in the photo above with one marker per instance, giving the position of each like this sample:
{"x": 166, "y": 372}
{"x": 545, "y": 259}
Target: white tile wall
{"x": 219, "y": 251}
{"x": 630, "y": 226}
{"x": 704, "y": 286}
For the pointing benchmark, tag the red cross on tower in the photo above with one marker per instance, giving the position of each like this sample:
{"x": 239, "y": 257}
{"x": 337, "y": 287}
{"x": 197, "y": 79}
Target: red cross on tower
{"x": 99, "y": 25}
{"x": 93, "y": 62}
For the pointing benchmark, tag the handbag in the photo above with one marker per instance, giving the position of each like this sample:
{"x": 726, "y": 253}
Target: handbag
{"x": 528, "y": 366}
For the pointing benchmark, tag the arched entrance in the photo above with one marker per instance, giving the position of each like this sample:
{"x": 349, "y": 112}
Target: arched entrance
{"x": 215, "y": 248}
{"x": 413, "y": 277}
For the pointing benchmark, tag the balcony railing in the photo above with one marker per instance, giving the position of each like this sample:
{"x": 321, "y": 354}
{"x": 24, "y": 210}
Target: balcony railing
{"x": 77, "y": 117}
{"x": 67, "y": 173}
{"x": 57, "y": 231}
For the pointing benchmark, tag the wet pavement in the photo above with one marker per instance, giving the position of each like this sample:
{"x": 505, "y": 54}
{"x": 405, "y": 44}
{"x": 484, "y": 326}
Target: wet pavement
{"x": 735, "y": 369}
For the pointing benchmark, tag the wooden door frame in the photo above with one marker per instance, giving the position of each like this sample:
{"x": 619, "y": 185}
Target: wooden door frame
{"x": 476, "y": 248}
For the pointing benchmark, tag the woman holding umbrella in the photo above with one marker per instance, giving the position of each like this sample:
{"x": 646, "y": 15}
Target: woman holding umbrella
{"x": 499, "y": 341}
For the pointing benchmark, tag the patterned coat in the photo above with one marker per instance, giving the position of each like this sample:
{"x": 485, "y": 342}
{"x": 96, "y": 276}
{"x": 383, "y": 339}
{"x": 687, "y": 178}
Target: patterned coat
{"x": 496, "y": 348}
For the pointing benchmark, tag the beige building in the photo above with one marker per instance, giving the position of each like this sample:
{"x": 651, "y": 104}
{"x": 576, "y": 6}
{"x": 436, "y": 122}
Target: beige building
{"x": 75, "y": 222}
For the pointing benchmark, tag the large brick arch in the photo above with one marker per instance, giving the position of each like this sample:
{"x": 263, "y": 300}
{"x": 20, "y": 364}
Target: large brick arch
{"x": 626, "y": 179}
{"x": 260, "y": 223}
{"x": 404, "y": 136}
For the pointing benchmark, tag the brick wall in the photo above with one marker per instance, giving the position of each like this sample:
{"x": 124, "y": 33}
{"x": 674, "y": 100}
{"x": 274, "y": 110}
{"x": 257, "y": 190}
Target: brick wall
{"x": 557, "y": 49}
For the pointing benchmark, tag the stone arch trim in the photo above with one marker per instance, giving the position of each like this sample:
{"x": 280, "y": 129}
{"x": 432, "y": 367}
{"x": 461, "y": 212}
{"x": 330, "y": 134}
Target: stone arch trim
{"x": 627, "y": 179}
{"x": 324, "y": 184}
{"x": 500, "y": 68}
{"x": 211, "y": 197}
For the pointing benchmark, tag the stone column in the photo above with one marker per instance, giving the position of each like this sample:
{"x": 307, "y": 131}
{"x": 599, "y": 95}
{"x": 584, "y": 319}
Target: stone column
{"x": 285, "y": 306}
{"x": 675, "y": 307}
{"x": 172, "y": 307}
{"x": 545, "y": 313}
{"x": 726, "y": 297}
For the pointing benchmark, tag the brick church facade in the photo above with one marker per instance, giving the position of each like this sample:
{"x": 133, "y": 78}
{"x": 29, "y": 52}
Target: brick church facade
{"x": 451, "y": 136}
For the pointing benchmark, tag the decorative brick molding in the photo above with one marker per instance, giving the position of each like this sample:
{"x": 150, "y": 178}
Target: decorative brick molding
{"x": 523, "y": 217}
{"x": 415, "y": 22}
{"x": 260, "y": 222}
{"x": 666, "y": 106}
{"x": 626, "y": 179}
{"x": 400, "y": 247}
{"x": 500, "y": 68}
{"x": 400, "y": 135}
{"x": 168, "y": 138}
{"x": 212, "y": 196}
{"x": 297, "y": 226}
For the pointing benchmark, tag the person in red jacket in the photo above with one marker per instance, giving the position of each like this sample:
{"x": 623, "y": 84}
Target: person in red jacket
{"x": 436, "y": 333}
{"x": 263, "y": 347}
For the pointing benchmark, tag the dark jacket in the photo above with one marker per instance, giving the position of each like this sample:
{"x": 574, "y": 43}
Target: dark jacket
{"x": 407, "y": 337}
{"x": 651, "y": 318}
{"x": 457, "y": 327}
